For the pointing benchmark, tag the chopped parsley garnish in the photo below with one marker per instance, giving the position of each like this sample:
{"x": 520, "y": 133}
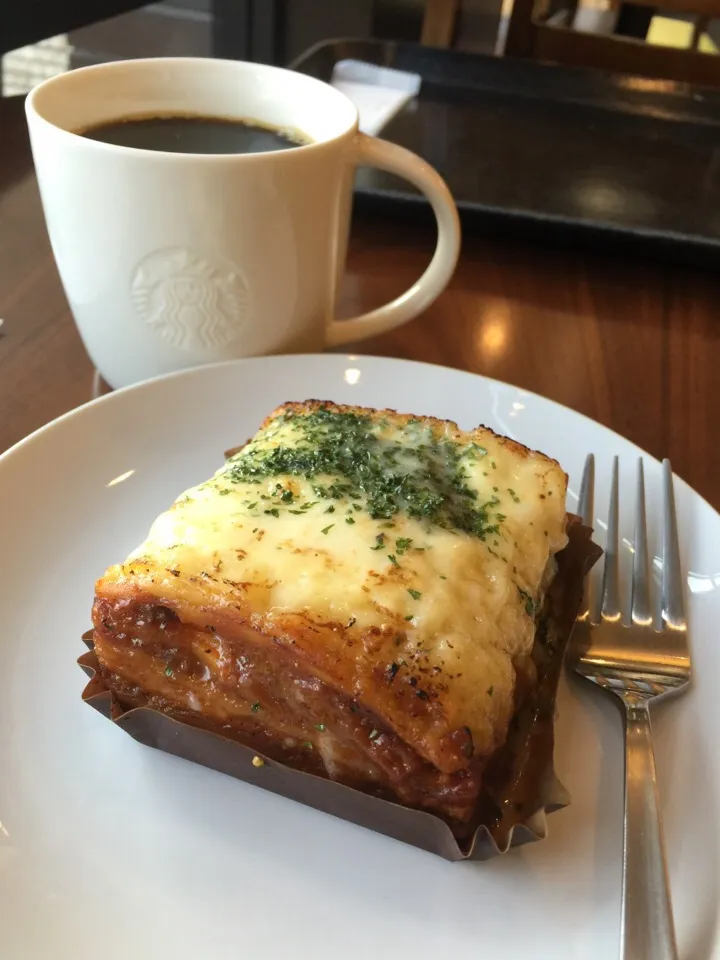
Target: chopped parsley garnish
{"x": 392, "y": 559}
{"x": 347, "y": 455}
{"x": 490, "y": 691}
{"x": 255, "y": 707}
{"x": 320, "y": 727}
{"x": 349, "y": 520}
{"x": 443, "y": 577}
{"x": 512, "y": 493}
{"x": 287, "y": 496}
{"x": 409, "y": 616}
{"x": 474, "y": 450}
{"x": 415, "y": 594}
{"x": 306, "y": 743}
{"x": 330, "y": 509}
{"x": 402, "y": 544}
{"x": 327, "y": 529}
{"x": 169, "y": 671}
{"x": 528, "y": 600}
{"x": 379, "y": 542}
{"x": 273, "y": 511}
{"x": 392, "y": 671}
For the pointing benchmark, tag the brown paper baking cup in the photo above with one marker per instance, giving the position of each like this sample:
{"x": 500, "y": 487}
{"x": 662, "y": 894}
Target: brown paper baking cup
{"x": 525, "y": 787}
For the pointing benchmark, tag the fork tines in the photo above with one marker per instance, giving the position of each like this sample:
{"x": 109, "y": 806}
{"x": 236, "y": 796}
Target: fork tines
{"x": 671, "y": 619}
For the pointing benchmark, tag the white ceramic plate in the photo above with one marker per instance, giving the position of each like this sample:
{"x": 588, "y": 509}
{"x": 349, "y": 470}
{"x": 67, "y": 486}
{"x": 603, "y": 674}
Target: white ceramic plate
{"x": 109, "y": 849}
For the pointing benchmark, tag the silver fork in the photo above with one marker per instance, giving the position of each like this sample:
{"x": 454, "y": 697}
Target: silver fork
{"x": 639, "y": 662}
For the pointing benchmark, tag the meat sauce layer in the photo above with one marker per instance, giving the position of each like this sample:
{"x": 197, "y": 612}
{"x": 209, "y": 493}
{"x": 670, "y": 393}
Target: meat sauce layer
{"x": 238, "y": 684}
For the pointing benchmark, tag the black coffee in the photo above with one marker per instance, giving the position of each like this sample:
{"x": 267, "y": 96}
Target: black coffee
{"x": 194, "y": 134}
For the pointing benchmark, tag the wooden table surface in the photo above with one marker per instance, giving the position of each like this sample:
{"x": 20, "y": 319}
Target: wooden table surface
{"x": 633, "y": 345}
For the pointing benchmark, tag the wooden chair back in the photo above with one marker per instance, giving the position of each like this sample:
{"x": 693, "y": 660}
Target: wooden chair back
{"x": 539, "y": 32}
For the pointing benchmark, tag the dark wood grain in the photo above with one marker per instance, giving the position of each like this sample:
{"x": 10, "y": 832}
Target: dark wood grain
{"x": 634, "y": 345}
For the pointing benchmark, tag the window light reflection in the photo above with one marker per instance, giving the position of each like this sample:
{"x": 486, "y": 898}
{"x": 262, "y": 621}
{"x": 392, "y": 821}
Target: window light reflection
{"x": 352, "y": 375}
{"x": 700, "y": 584}
{"x": 123, "y": 476}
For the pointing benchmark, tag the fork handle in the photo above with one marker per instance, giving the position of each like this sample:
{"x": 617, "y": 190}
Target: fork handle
{"x": 647, "y": 931}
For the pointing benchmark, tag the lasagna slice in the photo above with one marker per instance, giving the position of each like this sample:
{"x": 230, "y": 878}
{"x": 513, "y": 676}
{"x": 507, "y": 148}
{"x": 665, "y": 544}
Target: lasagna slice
{"x": 353, "y": 594}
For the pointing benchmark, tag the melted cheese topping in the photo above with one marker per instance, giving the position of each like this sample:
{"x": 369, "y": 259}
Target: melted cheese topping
{"x": 456, "y": 605}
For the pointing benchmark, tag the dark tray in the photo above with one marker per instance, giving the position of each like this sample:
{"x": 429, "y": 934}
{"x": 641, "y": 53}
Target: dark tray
{"x": 536, "y": 150}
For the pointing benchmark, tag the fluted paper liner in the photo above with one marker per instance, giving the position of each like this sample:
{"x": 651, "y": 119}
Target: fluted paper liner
{"x": 514, "y": 813}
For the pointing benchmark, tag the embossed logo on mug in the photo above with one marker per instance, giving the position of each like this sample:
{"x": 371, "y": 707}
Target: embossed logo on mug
{"x": 193, "y": 301}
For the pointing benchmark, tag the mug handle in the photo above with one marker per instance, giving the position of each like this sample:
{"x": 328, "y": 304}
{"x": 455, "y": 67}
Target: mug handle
{"x": 373, "y": 152}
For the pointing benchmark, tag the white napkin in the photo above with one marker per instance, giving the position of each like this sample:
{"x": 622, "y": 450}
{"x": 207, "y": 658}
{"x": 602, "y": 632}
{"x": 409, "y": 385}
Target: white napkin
{"x": 377, "y": 92}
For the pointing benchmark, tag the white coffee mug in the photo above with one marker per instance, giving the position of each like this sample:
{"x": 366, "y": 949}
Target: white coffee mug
{"x": 171, "y": 260}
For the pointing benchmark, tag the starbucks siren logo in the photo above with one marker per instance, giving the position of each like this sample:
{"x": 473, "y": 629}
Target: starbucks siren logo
{"x": 192, "y": 301}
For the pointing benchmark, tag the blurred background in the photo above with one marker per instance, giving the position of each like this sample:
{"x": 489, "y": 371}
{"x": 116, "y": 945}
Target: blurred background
{"x": 39, "y": 38}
